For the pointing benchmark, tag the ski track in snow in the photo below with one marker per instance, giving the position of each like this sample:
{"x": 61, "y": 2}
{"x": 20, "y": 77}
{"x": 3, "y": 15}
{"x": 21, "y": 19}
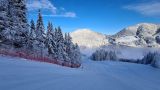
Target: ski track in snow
{"x": 19, "y": 74}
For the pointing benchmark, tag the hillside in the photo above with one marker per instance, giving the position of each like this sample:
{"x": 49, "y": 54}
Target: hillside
{"x": 140, "y": 35}
{"x": 88, "y": 38}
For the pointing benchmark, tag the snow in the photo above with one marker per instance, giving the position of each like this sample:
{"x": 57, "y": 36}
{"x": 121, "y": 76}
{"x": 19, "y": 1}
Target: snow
{"x": 89, "y": 38}
{"x": 127, "y": 40}
{"x": 140, "y": 35}
{"x": 20, "y": 74}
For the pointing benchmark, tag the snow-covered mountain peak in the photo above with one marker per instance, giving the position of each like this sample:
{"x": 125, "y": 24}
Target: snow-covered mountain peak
{"x": 88, "y": 38}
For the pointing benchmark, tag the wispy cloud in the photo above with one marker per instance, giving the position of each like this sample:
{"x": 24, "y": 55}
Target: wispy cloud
{"x": 67, "y": 14}
{"x": 148, "y": 9}
{"x": 48, "y": 5}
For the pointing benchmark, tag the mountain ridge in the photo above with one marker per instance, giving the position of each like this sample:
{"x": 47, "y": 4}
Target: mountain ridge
{"x": 139, "y": 35}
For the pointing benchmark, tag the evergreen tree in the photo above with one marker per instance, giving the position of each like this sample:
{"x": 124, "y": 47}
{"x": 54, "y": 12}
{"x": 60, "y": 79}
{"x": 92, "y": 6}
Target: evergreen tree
{"x": 112, "y": 55}
{"x": 101, "y": 55}
{"x": 3, "y": 14}
{"x": 14, "y": 28}
{"x": 69, "y": 47}
{"x": 32, "y": 34}
{"x": 40, "y": 34}
{"x": 156, "y": 61}
{"x": 147, "y": 59}
{"x": 19, "y": 19}
{"x": 76, "y": 55}
{"x": 32, "y": 37}
{"x": 60, "y": 45}
{"x": 152, "y": 58}
{"x": 6, "y": 24}
{"x": 54, "y": 43}
{"x": 50, "y": 43}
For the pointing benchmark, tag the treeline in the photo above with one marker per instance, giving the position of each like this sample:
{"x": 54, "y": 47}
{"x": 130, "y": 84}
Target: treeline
{"x": 33, "y": 39}
{"x": 152, "y": 59}
{"x": 102, "y": 55}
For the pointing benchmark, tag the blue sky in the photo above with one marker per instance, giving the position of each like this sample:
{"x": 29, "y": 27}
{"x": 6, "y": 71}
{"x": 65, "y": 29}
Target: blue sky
{"x": 104, "y": 16}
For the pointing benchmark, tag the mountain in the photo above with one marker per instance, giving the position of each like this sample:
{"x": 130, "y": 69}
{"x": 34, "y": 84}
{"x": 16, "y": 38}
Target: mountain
{"x": 129, "y": 31}
{"x": 140, "y": 35}
{"x": 89, "y": 38}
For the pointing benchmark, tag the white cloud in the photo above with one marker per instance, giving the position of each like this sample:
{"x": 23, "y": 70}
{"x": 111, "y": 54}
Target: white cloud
{"x": 47, "y": 5}
{"x": 70, "y": 14}
{"x": 148, "y": 9}
{"x": 67, "y": 14}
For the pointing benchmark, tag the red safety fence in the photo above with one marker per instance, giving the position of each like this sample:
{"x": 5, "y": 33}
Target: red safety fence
{"x": 39, "y": 58}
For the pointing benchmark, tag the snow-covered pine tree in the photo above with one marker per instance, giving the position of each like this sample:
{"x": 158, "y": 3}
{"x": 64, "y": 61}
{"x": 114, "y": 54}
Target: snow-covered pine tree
{"x": 54, "y": 43}
{"x": 112, "y": 55}
{"x": 69, "y": 47}
{"x": 100, "y": 55}
{"x": 40, "y": 30}
{"x": 107, "y": 56}
{"x": 32, "y": 33}
{"x": 6, "y": 24}
{"x": 3, "y": 14}
{"x": 152, "y": 58}
{"x": 17, "y": 9}
{"x": 76, "y": 55}
{"x": 73, "y": 51}
{"x": 147, "y": 59}
{"x": 62, "y": 56}
{"x": 59, "y": 41}
{"x": 40, "y": 34}
{"x": 156, "y": 61}
{"x": 50, "y": 41}
{"x": 31, "y": 42}
{"x": 15, "y": 31}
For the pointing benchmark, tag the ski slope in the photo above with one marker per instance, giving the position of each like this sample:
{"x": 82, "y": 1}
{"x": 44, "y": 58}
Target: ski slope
{"x": 20, "y": 74}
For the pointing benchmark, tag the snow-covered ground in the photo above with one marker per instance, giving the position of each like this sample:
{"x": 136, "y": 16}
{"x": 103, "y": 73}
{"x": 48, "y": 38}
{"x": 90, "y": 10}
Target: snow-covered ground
{"x": 19, "y": 74}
